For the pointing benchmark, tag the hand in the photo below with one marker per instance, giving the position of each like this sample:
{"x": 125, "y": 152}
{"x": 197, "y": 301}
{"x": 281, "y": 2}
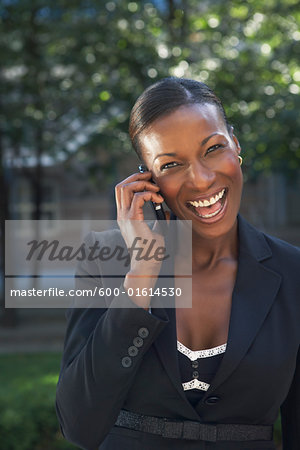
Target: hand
{"x": 131, "y": 195}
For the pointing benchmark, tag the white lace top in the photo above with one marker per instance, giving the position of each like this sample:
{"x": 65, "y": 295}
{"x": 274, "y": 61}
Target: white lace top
{"x": 198, "y": 363}
{"x": 196, "y": 367}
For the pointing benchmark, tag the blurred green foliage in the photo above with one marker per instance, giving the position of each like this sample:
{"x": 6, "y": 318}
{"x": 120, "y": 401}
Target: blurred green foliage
{"x": 73, "y": 69}
{"x": 27, "y": 398}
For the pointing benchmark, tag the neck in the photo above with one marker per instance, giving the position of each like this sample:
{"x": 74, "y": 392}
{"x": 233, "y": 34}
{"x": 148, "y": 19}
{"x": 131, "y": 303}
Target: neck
{"x": 207, "y": 253}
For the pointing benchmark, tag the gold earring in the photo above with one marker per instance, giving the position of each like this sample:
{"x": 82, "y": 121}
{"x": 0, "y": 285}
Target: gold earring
{"x": 240, "y": 159}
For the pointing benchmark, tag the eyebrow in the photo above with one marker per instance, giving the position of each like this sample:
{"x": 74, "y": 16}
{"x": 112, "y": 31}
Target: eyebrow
{"x": 208, "y": 138}
{"x": 205, "y": 140}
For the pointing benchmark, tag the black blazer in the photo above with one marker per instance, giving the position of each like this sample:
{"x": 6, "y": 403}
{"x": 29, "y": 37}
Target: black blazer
{"x": 259, "y": 373}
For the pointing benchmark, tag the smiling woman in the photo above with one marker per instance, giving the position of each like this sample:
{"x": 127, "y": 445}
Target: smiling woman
{"x": 214, "y": 375}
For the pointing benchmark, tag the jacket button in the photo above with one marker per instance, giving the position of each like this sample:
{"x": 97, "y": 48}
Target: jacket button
{"x": 126, "y": 361}
{"x": 132, "y": 351}
{"x": 212, "y": 400}
{"x": 138, "y": 341}
{"x": 143, "y": 332}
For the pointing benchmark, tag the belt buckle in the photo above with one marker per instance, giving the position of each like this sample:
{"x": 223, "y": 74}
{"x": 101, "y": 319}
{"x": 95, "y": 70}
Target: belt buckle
{"x": 172, "y": 429}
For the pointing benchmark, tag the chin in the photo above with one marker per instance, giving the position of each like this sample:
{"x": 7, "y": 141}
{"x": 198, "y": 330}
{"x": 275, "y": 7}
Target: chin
{"x": 215, "y": 231}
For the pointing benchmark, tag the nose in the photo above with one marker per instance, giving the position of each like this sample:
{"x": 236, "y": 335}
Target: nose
{"x": 200, "y": 177}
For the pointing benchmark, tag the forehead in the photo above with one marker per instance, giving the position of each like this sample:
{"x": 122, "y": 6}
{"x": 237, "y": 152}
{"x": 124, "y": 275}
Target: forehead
{"x": 182, "y": 128}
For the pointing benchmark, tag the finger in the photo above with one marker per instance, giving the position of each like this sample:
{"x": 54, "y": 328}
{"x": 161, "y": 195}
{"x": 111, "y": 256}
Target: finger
{"x": 139, "y": 199}
{"x": 168, "y": 215}
{"x": 136, "y": 176}
{"x": 133, "y": 177}
{"x": 119, "y": 188}
{"x": 127, "y": 191}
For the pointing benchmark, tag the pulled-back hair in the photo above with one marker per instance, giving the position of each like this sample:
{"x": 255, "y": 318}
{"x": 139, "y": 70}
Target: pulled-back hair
{"x": 164, "y": 97}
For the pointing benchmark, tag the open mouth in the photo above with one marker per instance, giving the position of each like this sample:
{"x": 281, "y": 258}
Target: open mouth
{"x": 209, "y": 207}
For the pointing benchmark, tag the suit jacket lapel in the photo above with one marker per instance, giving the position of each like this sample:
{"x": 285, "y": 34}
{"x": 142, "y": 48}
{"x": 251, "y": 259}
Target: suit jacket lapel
{"x": 253, "y": 295}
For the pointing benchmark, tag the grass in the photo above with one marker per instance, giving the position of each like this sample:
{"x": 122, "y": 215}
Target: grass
{"x": 27, "y": 395}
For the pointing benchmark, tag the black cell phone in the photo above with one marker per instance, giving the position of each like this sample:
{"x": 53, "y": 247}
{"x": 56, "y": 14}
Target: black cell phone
{"x": 158, "y": 209}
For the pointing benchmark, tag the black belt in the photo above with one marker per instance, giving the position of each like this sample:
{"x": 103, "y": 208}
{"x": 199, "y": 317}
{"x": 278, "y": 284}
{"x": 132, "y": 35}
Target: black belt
{"x": 187, "y": 429}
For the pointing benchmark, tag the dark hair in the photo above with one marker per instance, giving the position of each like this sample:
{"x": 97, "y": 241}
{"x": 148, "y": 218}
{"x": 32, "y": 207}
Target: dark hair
{"x": 164, "y": 97}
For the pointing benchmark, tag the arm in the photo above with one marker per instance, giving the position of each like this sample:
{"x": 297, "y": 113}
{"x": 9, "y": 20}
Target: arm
{"x": 290, "y": 413}
{"x": 95, "y": 377}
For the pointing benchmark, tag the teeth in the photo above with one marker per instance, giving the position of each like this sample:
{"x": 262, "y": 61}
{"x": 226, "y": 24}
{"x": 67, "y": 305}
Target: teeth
{"x": 211, "y": 201}
{"x": 206, "y": 216}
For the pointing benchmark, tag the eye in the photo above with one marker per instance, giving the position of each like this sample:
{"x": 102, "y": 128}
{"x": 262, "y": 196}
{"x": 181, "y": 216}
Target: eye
{"x": 214, "y": 147}
{"x": 168, "y": 165}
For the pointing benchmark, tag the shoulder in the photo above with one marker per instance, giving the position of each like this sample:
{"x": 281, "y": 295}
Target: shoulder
{"x": 282, "y": 248}
{"x": 262, "y": 245}
{"x": 105, "y": 252}
{"x": 112, "y": 235}
{"x": 285, "y": 260}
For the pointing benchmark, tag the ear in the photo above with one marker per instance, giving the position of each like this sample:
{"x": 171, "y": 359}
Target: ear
{"x": 235, "y": 140}
{"x": 238, "y": 147}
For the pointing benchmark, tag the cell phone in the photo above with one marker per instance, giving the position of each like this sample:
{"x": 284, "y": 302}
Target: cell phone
{"x": 158, "y": 209}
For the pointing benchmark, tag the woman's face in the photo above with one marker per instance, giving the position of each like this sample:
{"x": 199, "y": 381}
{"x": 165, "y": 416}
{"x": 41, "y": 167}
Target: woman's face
{"x": 194, "y": 160}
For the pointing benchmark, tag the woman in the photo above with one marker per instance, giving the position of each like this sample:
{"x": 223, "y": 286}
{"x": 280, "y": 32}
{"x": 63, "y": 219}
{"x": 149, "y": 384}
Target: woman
{"x": 213, "y": 376}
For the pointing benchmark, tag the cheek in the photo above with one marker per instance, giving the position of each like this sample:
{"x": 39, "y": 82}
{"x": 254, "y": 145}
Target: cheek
{"x": 231, "y": 168}
{"x": 168, "y": 189}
